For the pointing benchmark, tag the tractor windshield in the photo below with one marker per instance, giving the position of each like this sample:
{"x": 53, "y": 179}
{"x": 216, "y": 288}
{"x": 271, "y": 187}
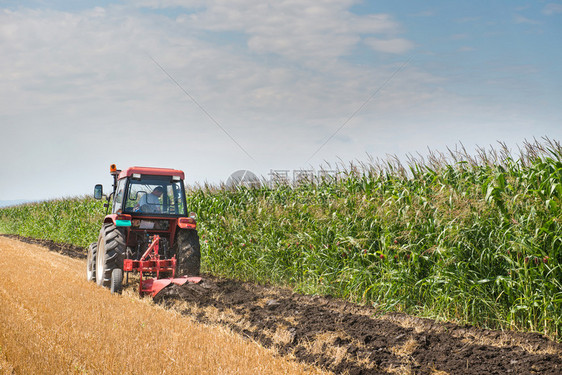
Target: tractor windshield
{"x": 155, "y": 195}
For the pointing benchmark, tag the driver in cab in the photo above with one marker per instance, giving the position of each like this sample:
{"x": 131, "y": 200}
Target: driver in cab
{"x": 150, "y": 203}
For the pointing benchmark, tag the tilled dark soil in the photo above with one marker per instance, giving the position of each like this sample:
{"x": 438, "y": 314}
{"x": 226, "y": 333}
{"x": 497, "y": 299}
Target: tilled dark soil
{"x": 348, "y": 338}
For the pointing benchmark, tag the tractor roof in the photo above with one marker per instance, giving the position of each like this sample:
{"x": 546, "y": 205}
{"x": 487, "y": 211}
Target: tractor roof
{"x": 151, "y": 171}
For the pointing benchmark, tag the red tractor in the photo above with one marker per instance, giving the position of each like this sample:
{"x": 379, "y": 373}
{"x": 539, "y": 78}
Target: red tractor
{"x": 148, "y": 231}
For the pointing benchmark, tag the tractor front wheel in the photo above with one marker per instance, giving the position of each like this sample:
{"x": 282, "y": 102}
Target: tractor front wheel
{"x": 110, "y": 254}
{"x": 116, "y": 281}
{"x": 188, "y": 252}
{"x": 91, "y": 262}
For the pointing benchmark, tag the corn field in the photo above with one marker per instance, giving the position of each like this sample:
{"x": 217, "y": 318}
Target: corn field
{"x": 470, "y": 239}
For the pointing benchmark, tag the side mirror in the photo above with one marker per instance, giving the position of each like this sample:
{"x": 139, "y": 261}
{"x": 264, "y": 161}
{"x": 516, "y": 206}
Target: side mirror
{"x": 98, "y": 191}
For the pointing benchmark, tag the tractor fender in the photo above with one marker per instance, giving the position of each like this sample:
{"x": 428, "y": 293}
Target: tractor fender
{"x": 119, "y": 220}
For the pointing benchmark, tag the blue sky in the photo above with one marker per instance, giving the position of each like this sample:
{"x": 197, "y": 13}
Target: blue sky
{"x": 79, "y": 88}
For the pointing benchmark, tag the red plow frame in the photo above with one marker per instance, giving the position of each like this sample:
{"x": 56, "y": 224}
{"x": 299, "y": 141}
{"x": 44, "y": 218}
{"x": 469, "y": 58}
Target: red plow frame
{"x": 152, "y": 263}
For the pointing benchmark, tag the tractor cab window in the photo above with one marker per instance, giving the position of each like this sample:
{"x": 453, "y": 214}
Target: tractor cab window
{"x": 155, "y": 195}
{"x": 119, "y": 194}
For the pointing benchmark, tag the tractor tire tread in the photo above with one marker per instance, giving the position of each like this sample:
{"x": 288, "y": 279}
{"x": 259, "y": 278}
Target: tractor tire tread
{"x": 91, "y": 262}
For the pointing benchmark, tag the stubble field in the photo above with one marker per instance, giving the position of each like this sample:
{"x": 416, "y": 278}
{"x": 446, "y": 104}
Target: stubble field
{"x": 54, "y": 322}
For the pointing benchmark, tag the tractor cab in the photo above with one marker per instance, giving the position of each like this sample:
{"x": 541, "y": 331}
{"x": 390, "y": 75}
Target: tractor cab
{"x": 142, "y": 190}
{"x": 143, "y": 193}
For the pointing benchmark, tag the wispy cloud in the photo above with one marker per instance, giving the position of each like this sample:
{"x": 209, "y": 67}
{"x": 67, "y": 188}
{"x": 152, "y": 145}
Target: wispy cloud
{"x": 524, "y": 20}
{"x": 394, "y": 45}
{"x": 552, "y": 8}
{"x": 459, "y": 36}
{"x": 76, "y": 69}
{"x": 307, "y": 31}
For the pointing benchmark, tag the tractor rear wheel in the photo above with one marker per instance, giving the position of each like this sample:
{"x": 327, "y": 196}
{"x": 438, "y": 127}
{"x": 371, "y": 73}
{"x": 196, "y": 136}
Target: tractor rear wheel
{"x": 91, "y": 262}
{"x": 188, "y": 252}
{"x": 110, "y": 253}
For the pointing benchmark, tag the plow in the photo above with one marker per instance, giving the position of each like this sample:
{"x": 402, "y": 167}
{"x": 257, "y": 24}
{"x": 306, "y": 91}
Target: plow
{"x": 146, "y": 231}
{"x": 151, "y": 263}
